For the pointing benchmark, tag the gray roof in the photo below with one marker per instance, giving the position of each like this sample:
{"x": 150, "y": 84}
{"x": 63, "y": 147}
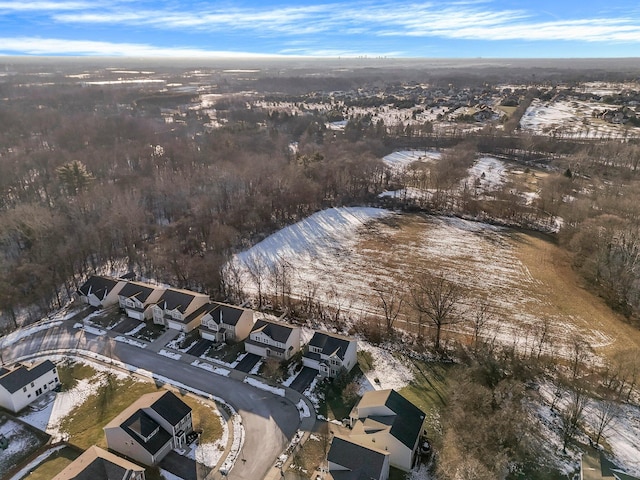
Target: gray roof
{"x": 175, "y": 300}
{"x": 228, "y": 313}
{"x": 142, "y": 424}
{"x": 21, "y": 376}
{"x": 362, "y": 462}
{"x": 171, "y": 408}
{"x": 331, "y": 344}
{"x": 141, "y": 292}
{"x": 277, "y": 331}
{"x": 98, "y": 286}
{"x": 408, "y": 421}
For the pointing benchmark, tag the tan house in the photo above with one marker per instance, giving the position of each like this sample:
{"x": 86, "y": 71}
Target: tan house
{"x": 137, "y": 299}
{"x": 100, "y": 291}
{"x": 150, "y": 428}
{"x": 175, "y": 309}
{"x": 98, "y": 464}
{"x": 330, "y": 353}
{"x": 348, "y": 460}
{"x": 273, "y": 339}
{"x": 220, "y": 322}
{"x": 20, "y": 385}
{"x": 385, "y": 420}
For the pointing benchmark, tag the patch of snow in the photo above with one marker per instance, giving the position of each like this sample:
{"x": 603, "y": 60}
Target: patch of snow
{"x": 488, "y": 173}
{"x": 168, "y": 354}
{"x": 169, "y": 476}
{"x": 130, "y": 341}
{"x": 90, "y": 329}
{"x": 211, "y": 368}
{"x": 18, "y": 335}
{"x": 256, "y": 367}
{"x": 404, "y": 158}
{"x": 303, "y": 409}
{"x": 388, "y": 371}
{"x": 136, "y": 329}
{"x": 263, "y": 386}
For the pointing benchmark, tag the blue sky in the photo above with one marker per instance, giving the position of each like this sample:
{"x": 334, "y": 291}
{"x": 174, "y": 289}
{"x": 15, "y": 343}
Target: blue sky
{"x": 350, "y": 28}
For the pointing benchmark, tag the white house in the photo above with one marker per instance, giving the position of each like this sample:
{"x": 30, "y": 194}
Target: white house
{"x": 273, "y": 339}
{"x": 329, "y": 353}
{"x": 98, "y": 464}
{"x": 150, "y": 428}
{"x": 221, "y": 322}
{"x": 386, "y": 420}
{"x": 21, "y": 385}
{"x": 175, "y": 309}
{"x": 137, "y": 299}
{"x": 100, "y": 291}
{"x": 347, "y": 460}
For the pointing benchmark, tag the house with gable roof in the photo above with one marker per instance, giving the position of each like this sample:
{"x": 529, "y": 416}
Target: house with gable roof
{"x": 348, "y": 460}
{"x": 100, "y": 291}
{"x": 20, "y": 385}
{"x": 329, "y": 353}
{"x": 150, "y": 427}
{"x": 273, "y": 339}
{"x": 385, "y": 420}
{"x": 175, "y": 309}
{"x": 221, "y": 322}
{"x": 137, "y": 299}
{"x": 98, "y": 464}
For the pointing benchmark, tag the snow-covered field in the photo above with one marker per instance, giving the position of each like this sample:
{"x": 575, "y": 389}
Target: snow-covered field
{"x": 403, "y": 158}
{"x": 388, "y": 371}
{"x": 489, "y": 173}
{"x": 572, "y": 118}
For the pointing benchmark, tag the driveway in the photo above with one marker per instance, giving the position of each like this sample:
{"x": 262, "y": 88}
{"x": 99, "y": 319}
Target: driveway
{"x": 304, "y": 379}
{"x": 126, "y": 325}
{"x": 200, "y": 347}
{"x": 248, "y": 362}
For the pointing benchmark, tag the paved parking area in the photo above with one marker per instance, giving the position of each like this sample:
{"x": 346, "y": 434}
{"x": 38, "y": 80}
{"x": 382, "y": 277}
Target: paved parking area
{"x": 248, "y": 362}
{"x": 304, "y": 379}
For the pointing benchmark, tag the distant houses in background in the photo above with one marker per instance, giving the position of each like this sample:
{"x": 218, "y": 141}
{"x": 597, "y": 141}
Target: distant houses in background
{"x": 272, "y": 339}
{"x": 98, "y": 464}
{"x": 150, "y": 428}
{"x": 20, "y": 385}
{"x": 330, "y": 354}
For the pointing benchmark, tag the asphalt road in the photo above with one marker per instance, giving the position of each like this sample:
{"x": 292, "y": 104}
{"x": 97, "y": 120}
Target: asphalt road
{"x": 269, "y": 421}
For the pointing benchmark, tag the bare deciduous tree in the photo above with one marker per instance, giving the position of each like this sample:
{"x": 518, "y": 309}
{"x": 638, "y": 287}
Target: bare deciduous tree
{"x": 437, "y": 298}
{"x": 391, "y": 301}
{"x": 606, "y": 411}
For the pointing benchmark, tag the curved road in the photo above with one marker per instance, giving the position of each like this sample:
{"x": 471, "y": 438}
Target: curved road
{"x": 269, "y": 421}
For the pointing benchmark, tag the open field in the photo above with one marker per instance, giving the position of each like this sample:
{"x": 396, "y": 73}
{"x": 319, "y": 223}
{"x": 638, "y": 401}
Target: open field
{"x": 525, "y": 279}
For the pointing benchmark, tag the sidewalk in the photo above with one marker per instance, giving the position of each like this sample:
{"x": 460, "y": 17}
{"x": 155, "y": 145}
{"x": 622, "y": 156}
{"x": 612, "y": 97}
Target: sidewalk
{"x": 160, "y": 342}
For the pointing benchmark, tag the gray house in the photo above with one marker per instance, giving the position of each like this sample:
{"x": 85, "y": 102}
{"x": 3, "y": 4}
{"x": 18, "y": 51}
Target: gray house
{"x": 150, "y": 428}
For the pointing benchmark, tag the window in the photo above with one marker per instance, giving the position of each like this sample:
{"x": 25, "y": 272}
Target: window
{"x": 55, "y": 379}
{"x": 32, "y": 385}
{"x": 24, "y": 389}
{"x": 29, "y": 396}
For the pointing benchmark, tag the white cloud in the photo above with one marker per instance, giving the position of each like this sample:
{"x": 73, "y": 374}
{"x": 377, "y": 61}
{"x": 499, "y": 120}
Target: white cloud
{"x": 27, "y": 6}
{"x": 54, "y": 46}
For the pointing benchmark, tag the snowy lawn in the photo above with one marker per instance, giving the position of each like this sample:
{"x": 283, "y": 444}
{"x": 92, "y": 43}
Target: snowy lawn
{"x": 22, "y": 442}
{"x": 401, "y": 159}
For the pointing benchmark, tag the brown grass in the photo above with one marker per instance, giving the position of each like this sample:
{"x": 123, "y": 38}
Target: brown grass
{"x": 53, "y": 465}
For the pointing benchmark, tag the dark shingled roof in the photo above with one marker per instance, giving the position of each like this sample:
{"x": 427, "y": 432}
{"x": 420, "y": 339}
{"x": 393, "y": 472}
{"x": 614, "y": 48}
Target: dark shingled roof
{"x": 99, "y": 286}
{"x": 230, "y": 314}
{"x": 409, "y": 419}
{"x": 362, "y": 462}
{"x": 330, "y": 343}
{"x": 17, "y": 378}
{"x": 141, "y": 292}
{"x": 175, "y": 299}
{"x": 98, "y": 464}
{"x": 142, "y": 423}
{"x": 171, "y": 408}
{"x": 277, "y": 331}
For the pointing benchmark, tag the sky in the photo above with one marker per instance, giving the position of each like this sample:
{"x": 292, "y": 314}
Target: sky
{"x": 349, "y": 28}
